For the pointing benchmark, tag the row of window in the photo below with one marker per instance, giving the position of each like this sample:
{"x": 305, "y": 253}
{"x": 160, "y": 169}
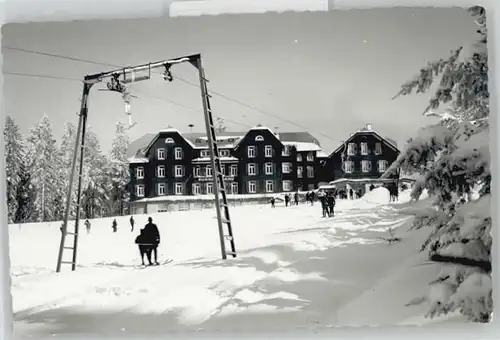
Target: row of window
{"x": 251, "y": 152}
{"x": 269, "y": 151}
{"x": 352, "y": 149}
{"x": 252, "y": 170}
{"x": 286, "y": 168}
{"x": 161, "y": 154}
{"x": 366, "y": 166}
{"x": 232, "y": 188}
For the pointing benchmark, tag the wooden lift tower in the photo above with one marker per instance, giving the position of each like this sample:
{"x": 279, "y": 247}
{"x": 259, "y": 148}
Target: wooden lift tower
{"x": 116, "y": 82}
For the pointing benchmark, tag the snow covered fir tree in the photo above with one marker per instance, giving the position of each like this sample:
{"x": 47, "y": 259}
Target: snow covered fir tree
{"x": 452, "y": 159}
{"x": 38, "y": 172}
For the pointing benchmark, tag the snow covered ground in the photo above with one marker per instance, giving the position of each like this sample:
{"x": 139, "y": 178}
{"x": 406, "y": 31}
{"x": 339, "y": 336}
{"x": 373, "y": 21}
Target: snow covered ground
{"x": 294, "y": 269}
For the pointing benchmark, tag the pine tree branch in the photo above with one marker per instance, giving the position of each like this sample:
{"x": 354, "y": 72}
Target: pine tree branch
{"x": 484, "y": 265}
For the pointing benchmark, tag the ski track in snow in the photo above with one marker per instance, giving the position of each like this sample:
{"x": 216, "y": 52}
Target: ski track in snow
{"x": 197, "y": 283}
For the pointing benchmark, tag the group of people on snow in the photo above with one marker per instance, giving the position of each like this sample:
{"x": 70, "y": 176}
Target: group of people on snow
{"x": 148, "y": 242}
{"x": 148, "y": 239}
{"x": 327, "y": 200}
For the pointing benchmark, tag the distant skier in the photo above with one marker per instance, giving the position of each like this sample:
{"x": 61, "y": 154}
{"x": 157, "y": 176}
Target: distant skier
{"x": 322, "y": 199}
{"x": 132, "y": 221}
{"x": 296, "y": 198}
{"x": 273, "y": 201}
{"x": 351, "y": 194}
{"x": 144, "y": 248}
{"x": 114, "y": 226}
{"x": 311, "y": 197}
{"x": 330, "y": 200}
{"x": 87, "y": 226}
{"x": 287, "y": 200}
{"x": 152, "y": 238}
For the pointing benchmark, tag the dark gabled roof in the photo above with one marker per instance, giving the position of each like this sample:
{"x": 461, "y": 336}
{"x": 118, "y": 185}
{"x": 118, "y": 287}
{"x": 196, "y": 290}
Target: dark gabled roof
{"x": 137, "y": 147}
{"x": 391, "y": 143}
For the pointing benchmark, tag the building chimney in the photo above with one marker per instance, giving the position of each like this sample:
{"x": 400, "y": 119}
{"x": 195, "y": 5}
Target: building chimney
{"x": 276, "y": 132}
{"x": 369, "y": 126}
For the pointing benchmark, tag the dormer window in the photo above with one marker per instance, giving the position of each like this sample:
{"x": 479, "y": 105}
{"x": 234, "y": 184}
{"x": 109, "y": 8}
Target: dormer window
{"x": 169, "y": 141}
{"x": 259, "y": 138}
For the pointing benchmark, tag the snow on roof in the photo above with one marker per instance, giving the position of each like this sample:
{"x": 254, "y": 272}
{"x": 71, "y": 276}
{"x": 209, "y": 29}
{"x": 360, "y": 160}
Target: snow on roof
{"x": 302, "y": 146}
{"x": 261, "y": 128}
{"x": 341, "y": 180}
{"x": 136, "y": 160}
{"x": 321, "y": 154}
{"x": 389, "y": 141}
{"x": 170, "y": 129}
{"x": 222, "y": 159}
{"x": 304, "y": 140}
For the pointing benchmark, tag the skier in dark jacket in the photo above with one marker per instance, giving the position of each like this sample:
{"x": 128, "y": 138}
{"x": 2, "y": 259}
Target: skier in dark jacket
{"x": 144, "y": 249}
{"x": 132, "y": 221}
{"x": 114, "y": 226}
{"x": 330, "y": 199}
{"x": 287, "y": 200}
{"x": 322, "y": 199}
{"x": 152, "y": 238}
{"x": 87, "y": 226}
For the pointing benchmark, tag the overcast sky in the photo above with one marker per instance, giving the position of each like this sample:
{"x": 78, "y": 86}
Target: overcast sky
{"x": 328, "y": 73}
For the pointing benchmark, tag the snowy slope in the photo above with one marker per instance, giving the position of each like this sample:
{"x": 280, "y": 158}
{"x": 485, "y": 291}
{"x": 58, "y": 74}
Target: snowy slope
{"x": 294, "y": 269}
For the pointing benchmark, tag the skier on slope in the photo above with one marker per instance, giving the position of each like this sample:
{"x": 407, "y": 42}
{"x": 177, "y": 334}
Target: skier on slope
{"x": 114, "y": 226}
{"x": 132, "y": 221}
{"x": 144, "y": 249}
{"x": 287, "y": 200}
{"x": 330, "y": 199}
{"x": 152, "y": 238}
{"x": 322, "y": 199}
{"x": 87, "y": 226}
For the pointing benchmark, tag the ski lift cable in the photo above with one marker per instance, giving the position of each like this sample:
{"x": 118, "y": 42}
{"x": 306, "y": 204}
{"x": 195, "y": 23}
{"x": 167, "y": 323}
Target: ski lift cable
{"x": 178, "y": 78}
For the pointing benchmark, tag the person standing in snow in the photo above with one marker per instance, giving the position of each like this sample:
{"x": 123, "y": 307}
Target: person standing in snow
{"x": 144, "y": 249}
{"x": 322, "y": 199}
{"x": 87, "y": 226}
{"x": 114, "y": 226}
{"x": 152, "y": 238}
{"x": 132, "y": 223}
{"x": 330, "y": 203}
{"x": 272, "y": 200}
{"x": 311, "y": 196}
{"x": 287, "y": 200}
{"x": 296, "y": 198}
